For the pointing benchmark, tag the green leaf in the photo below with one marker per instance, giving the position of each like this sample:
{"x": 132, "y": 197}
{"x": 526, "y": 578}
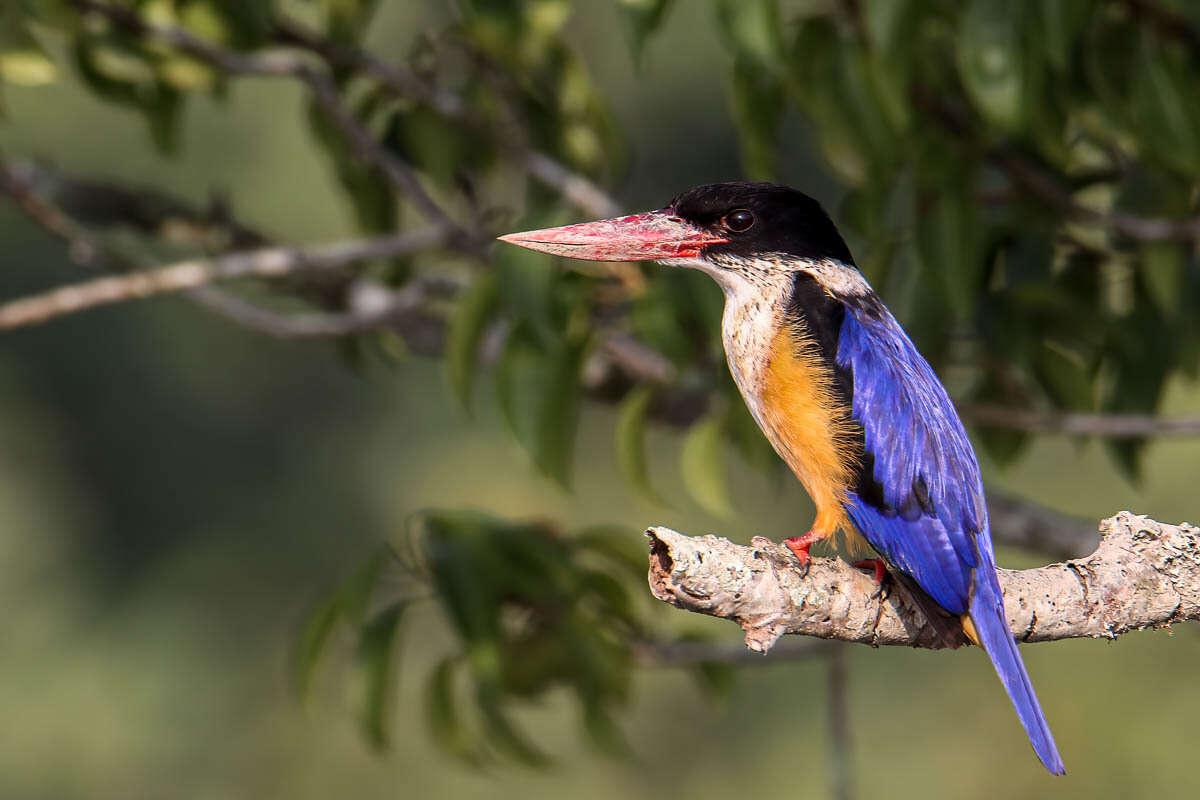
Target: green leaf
{"x": 441, "y": 711}
{"x": 671, "y": 315}
{"x": 610, "y": 593}
{"x": 817, "y": 77}
{"x": 752, "y": 30}
{"x": 515, "y": 390}
{"x": 468, "y": 323}
{"x": 163, "y": 119}
{"x": 642, "y": 18}
{"x": 347, "y": 20}
{"x": 504, "y": 736}
{"x": 539, "y": 396}
{"x": 990, "y": 60}
{"x": 376, "y": 652}
{"x": 1064, "y": 375}
{"x": 527, "y": 283}
{"x": 758, "y": 108}
{"x": 603, "y": 731}
{"x": 463, "y": 575}
{"x": 1163, "y": 271}
{"x": 314, "y": 637}
{"x": 23, "y": 61}
{"x": 617, "y": 545}
{"x": 703, "y": 465}
{"x": 356, "y": 592}
{"x": 886, "y": 22}
{"x": 947, "y": 242}
{"x": 375, "y": 205}
{"x": 186, "y": 74}
{"x": 444, "y": 151}
{"x": 629, "y": 442}
{"x": 560, "y": 412}
{"x": 250, "y": 21}
{"x": 1063, "y": 22}
{"x": 1165, "y": 97}
{"x": 121, "y": 72}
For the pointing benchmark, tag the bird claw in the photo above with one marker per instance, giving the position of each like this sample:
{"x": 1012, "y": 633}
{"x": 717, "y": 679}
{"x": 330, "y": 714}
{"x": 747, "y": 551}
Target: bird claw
{"x": 800, "y": 551}
{"x": 799, "y": 546}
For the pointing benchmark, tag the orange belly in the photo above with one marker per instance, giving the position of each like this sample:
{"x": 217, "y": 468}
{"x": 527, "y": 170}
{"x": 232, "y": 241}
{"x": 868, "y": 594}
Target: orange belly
{"x": 810, "y": 427}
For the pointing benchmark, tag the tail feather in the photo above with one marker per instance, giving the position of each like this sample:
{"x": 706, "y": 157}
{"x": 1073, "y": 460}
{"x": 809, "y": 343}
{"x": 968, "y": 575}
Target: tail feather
{"x": 987, "y": 613}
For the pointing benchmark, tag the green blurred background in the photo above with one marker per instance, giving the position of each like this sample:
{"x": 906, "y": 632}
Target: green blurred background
{"x": 176, "y": 493}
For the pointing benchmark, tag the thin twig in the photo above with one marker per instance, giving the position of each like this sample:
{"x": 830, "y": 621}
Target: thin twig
{"x": 82, "y": 247}
{"x": 372, "y": 306}
{"x": 1115, "y": 426}
{"x": 266, "y": 262}
{"x": 371, "y": 152}
{"x": 85, "y": 202}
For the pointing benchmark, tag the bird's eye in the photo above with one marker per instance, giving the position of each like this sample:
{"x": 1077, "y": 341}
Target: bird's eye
{"x": 739, "y": 221}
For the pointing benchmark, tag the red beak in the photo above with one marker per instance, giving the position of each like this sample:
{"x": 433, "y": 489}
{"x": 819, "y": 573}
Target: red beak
{"x": 638, "y": 237}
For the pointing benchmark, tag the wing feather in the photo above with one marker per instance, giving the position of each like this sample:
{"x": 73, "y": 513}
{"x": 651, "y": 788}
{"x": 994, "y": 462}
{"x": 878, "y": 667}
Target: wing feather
{"x": 925, "y": 510}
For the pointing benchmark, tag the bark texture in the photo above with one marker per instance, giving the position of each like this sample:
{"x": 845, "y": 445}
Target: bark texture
{"x": 1144, "y": 574}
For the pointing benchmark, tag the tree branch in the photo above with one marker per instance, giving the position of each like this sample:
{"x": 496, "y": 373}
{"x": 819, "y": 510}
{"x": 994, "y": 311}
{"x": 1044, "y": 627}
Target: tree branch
{"x": 371, "y": 306}
{"x": 1144, "y": 574}
{"x": 267, "y": 262}
{"x": 81, "y": 247}
{"x": 1115, "y": 426}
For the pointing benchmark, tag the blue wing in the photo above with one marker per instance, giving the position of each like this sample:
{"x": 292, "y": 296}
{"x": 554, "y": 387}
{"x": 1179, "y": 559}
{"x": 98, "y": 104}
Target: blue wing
{"x": 921, "y": 505}
{"x": 920, "y": 501}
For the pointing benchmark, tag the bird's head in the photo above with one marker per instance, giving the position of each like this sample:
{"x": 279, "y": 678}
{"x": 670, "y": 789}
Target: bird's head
{"x": 742, "y": 234}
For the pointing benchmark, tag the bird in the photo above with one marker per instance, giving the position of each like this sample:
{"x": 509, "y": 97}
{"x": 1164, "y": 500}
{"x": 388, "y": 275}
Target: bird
{"x": 844, "y": 397}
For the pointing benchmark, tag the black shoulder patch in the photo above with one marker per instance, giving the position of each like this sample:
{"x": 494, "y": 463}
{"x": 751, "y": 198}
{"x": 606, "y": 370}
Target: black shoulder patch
{"x": 821, "y": 315}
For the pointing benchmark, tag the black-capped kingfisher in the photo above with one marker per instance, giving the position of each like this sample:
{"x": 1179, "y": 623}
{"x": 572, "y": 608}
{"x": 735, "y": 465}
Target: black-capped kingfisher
{"x": 842, "y": 395}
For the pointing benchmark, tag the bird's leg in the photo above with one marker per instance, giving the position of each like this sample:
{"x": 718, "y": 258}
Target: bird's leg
{"x": 799, "y": 546}
{"x": 827, "y": 521}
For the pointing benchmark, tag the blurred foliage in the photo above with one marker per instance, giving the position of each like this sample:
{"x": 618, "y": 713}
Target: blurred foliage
{"x": 532, "y": 609}
{"x": 1007, "y": 168}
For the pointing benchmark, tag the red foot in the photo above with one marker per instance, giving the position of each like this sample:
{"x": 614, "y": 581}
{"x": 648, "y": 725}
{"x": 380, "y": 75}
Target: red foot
{"x": 800, "y": 545}
{"x": 877, "y": 566}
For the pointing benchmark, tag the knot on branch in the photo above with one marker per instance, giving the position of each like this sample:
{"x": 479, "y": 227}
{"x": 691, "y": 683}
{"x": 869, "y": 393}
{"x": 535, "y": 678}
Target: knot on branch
{"x": 1143, "y": 574}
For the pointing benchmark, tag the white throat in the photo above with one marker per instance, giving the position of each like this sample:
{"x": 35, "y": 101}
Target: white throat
{"x": 754, "y": 304}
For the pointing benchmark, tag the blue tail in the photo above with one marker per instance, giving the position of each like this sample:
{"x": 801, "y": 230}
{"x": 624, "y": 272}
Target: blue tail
{"x": 987, "y": 612}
